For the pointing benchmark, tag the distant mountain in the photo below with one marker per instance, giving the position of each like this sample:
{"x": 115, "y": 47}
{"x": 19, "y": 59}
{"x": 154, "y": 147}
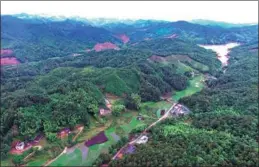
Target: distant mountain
{"x": 189, "y": 31}
{"x": 39, "y": 37}
{"x": 35, "y": 39}
{"x": 220, "y": 23}
{"x": 98, "y": 22}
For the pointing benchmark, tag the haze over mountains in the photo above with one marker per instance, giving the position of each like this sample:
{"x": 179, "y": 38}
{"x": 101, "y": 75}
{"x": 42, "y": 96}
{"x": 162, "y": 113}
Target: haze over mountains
{"x": 220, "y": 23}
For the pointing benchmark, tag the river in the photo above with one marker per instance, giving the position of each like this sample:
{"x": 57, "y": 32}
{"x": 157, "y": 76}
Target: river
{"x": 222, "y": 51}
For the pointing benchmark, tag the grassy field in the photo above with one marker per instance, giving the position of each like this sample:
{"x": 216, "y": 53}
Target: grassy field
{"x": 38, "y": 160}
{"x": 198, "y": 66}
{"x": 195, "y": 85}
{"x": 6, "y": 162}
{"x": 184, "y": 63}
{"x": 151, "y": 109}
{"x": 182, "y": 68}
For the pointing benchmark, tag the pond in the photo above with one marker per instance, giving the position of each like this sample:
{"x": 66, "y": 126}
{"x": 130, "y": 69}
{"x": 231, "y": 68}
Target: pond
{"x": 222, "y": 51}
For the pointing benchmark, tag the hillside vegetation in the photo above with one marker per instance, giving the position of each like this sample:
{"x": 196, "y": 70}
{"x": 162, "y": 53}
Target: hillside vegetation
{"x": 65, "y": 76}
{"x": 221, "y": 131}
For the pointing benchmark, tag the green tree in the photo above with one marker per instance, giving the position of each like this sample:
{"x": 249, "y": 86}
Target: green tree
{"x": 133, "y": 101}
{"x": 29, "y": 121}
{"x": 18, "y": 160}
{"x": 51, "y": 136}
{"x": 117, "y": 109}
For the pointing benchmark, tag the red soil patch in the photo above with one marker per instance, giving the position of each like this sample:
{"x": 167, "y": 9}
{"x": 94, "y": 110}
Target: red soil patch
{"x": 171, "y": 36}
{"x": 6, "y": 52}
{"x": 104, "y": 46}
{"x": 9, "y": 61}
{"x": 110, "y": 96}
{"x": 167, "y": 95}
{"x": 124, "y": 38}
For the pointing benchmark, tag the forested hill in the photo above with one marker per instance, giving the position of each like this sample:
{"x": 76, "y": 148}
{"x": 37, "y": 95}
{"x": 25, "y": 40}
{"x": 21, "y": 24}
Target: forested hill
{"x": 33, "y": 41}
{"x": 39, "y": 38}
{"x": 192, "y": 32}
{"x": 221, "y": 131}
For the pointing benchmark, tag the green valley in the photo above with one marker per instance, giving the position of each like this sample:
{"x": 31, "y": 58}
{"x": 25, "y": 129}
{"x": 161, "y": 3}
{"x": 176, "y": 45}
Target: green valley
{"x": 75, "y": 92}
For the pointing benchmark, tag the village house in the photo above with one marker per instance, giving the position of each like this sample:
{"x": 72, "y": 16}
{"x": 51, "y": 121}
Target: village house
{"x": 142, "y": 140}
{"x": 20, "y": 146}
{"x": 64, "y": 132}
{"x": 104, "y": 112}
{"x": 179, "y": 110}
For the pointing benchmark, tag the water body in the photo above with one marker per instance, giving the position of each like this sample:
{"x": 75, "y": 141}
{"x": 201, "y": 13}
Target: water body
{"x": 222, "y": 51}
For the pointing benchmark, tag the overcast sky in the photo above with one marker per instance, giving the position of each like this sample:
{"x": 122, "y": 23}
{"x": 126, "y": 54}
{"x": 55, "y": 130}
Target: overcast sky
{"x": 228, "y": 11}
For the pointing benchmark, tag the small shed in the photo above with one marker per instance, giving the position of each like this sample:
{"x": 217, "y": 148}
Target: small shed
{"x": 162, "y": 112}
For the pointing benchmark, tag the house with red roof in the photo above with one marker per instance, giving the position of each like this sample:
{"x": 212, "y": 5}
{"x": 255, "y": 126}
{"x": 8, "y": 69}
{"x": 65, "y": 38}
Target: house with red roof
{"x": 63, "y": 132}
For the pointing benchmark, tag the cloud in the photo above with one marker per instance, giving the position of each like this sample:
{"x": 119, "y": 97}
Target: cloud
{"x": 229, "y": 11}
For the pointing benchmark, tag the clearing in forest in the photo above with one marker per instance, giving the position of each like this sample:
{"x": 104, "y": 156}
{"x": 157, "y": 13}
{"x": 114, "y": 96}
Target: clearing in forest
{"x": 195, "y": 85}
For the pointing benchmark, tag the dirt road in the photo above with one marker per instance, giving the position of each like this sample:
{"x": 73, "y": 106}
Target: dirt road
{"x": 153, "y": 124}
{"x": 80, "y": 130}
{"x": 49, "y": 162}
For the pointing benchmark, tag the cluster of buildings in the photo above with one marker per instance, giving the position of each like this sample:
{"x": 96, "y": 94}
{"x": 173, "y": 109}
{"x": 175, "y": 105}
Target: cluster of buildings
{"x": 179, "y": 110}
{"x": 20, "y": 146}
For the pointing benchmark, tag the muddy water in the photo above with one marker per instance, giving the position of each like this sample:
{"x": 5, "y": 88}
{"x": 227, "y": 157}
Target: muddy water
{"x": 222, "y": 51}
